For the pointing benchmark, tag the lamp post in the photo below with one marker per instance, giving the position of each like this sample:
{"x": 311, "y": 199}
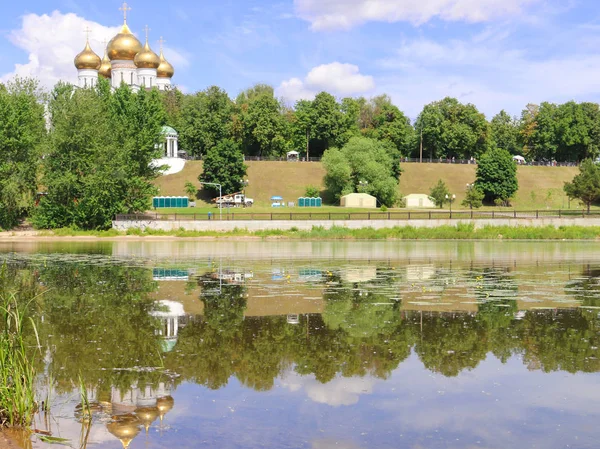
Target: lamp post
{"x": 450, "y": 199}
{"x": 220, "y": 196}
{"x": 363, "y": 183}
{"x": 244, "y": 184}
{"x": 469, "y": 200}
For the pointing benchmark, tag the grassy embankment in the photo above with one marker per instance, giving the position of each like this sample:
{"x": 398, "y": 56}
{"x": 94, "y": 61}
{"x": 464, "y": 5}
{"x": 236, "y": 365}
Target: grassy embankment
{"x": 539, "y": 187}
{"x": 458, "y": 232}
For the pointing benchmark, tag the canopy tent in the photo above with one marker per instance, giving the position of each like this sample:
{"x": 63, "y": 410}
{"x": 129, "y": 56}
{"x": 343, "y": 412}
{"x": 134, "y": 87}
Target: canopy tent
{"x": 518, "y": 158}
{"x": 293, "y": 156}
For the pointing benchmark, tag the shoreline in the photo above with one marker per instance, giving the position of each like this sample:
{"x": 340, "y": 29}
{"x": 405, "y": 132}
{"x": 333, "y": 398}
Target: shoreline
{"x": 459, "y": 232}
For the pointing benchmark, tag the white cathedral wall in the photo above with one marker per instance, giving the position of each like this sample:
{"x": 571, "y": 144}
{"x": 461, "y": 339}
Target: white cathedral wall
{"x": 163, "y": 83}
{"x": 147, "y": 77}
{"x": 87, "y": 78}
{"x": 124, "y": 72}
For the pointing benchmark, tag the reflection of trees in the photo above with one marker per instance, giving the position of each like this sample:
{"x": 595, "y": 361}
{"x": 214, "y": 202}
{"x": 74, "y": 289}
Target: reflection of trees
{"x": 99, "y": 319}
{"x": 450, "y": 343}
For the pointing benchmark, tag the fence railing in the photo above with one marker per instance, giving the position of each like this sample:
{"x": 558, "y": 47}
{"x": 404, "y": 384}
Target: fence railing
{"x": 395, "y": 215}
{"x": 426, "y": 160}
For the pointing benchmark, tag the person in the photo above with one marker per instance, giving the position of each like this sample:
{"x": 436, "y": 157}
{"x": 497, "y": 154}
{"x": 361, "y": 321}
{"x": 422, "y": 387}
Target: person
{"x": 210, "y": 215}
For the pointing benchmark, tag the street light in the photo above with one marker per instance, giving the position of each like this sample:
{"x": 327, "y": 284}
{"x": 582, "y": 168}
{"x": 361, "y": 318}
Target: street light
{"x": 450, "y": 199}
{"x": 363, "y": 183}
{"x": 469, "y": 199}
{"x": 220, "y": 196}
{"x": 244, "y": 185}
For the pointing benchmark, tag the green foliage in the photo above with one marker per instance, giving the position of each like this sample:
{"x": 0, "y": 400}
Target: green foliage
{"x": 567, "y": 132}
{"x": 452, "y": 129}
{"x": 496, "y": 176}
{"x": 191, "y": 190}
{"x": 439, "y": 194}
{"x": 99, "y": 156}
{"x": 363, "y": 160}
{"x": 21, "y": 134}
{"x": 259, "y": 124}
{"x": 505, "y": 133}
{"x": 224, "y": 164}
{"x": 474, "y": 197}
{"x": 586, "y": 185}
{"x": 312, "y": 192}
{"x": 206, "y": 119}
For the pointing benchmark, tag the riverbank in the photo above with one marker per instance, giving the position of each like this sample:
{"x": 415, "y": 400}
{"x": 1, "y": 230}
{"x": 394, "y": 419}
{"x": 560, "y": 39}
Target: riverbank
{"x": 459, "y": 231}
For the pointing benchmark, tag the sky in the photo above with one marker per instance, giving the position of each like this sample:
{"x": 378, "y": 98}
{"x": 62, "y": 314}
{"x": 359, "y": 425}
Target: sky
{"x": 496, "y": 54}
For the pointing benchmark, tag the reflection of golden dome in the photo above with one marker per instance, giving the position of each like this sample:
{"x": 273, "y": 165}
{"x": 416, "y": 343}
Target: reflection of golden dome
{"x": 165, "y": 405}
{"x": 105, "y": 68}
{"x": 147, "y": 415}
{"x": 165, "y": 70}
{"x": 124, "y": 46}
{"x": 147, "y": 59}
{"x": 125, "y": 428}
{"x": 87, "y": 59}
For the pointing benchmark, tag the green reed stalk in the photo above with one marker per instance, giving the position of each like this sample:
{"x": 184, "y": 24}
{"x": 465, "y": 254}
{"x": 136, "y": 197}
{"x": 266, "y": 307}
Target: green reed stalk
{"x": 17, "y": 372}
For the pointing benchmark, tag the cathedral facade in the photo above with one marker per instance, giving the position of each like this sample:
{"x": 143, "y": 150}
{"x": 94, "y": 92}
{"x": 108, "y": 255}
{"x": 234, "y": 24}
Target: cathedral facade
{"x": 125, "y": 60}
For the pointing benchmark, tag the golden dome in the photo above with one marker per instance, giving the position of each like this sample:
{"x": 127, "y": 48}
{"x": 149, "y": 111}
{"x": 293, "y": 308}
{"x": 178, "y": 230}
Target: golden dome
{"x": 105, "y": 68}
{"x": 147, "y": 59}
{"x": 124, "y": 46}
{"x": 165, "y": 405}
{"x": 87, "y": 59}
{"x": 165, "y": 70}
{"x": 125, "y": 428}
{"x": 147, "y": 415}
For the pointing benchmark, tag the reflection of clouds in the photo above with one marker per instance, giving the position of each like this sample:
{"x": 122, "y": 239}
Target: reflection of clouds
{"x": 529, "y": 407}
{"x": 340, "y": 391}
{"x": 333, "y": 444}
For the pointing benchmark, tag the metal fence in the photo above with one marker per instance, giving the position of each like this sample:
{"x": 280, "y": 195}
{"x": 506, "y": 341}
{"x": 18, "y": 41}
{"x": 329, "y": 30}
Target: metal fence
{"x": 396, "y": 215}
{"x": 403, "y": 160}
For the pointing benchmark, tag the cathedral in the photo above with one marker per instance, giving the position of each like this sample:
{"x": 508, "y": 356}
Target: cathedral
{"x": 125, "y": 61}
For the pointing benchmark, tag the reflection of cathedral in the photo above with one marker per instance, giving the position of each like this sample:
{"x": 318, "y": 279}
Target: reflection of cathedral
{"x": 132, "y": 409}
{"x": 125, "y": 61}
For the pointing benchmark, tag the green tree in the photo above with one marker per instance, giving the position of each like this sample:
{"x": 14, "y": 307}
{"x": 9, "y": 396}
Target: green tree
{"x": 263, "y": 127}
{"x": 99, "y": 158}
{"x": 312, "y": 192}
{"x": 21, "y": 135}
{"x": 191, "y": 190}
{"x": 586, "y": 185}
{"x": 538, "y": 131}
{"x": 224, "y": 164}
{"x": 387, "y": 122}
{"x": 452, "y": 129}
{"x": 206, "y": 120}
{"x": 505, "y": 132}
{"x": 439, "y": 193}
{"x": 496, "y": 176}
{"x": 474, "y": 197}
{"x": 363, "y": 160}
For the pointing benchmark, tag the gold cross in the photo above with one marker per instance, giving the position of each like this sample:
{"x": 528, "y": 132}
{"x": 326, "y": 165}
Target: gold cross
{"x": 87, "y": 32}
{"x": 125, "y": 8}
{"x": 161, "y": 41}
{"x": 147, "y": 29}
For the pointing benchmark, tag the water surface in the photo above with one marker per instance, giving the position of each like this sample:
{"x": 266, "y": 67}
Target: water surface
{"x": 316, "y": 344}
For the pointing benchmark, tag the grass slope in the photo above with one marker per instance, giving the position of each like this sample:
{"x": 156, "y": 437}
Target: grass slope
{"x": 539, "y": 187}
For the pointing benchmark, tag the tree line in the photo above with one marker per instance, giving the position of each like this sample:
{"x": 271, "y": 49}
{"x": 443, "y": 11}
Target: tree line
{"x": 266, "y": 126}
{"x": 84, "y": 155}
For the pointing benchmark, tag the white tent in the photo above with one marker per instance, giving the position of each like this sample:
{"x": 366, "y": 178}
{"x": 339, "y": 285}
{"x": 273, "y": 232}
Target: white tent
{"x": 519, "y": 159}
{"x": 293, "y": 156}
{"x": 358, "y": 200}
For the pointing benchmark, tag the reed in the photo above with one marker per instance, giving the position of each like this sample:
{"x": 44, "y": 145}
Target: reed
{"x": 17, "y": 372}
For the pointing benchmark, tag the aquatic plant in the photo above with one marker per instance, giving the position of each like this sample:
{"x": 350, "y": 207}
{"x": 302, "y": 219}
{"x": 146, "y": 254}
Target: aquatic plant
{"x": 17, "y": 372}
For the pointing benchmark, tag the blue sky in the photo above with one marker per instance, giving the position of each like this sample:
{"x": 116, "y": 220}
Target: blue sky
{"x": 497, "y": 54}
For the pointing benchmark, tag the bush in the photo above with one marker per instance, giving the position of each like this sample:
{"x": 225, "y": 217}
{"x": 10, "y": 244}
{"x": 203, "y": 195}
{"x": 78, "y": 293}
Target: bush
{"x": 312, "y": 192}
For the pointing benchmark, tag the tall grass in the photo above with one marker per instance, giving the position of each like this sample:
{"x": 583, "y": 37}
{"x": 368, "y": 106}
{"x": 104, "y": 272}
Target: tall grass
{"x": 17, "y": 372}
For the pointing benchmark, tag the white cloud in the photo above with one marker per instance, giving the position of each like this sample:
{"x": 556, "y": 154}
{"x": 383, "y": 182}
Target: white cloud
{"x": 52, "y": 42}
{"x": 487, "y": 74}
{"x": 339, "y": 391}
{"x": 335, "y": 78}
{"x": 335, "y": 14}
